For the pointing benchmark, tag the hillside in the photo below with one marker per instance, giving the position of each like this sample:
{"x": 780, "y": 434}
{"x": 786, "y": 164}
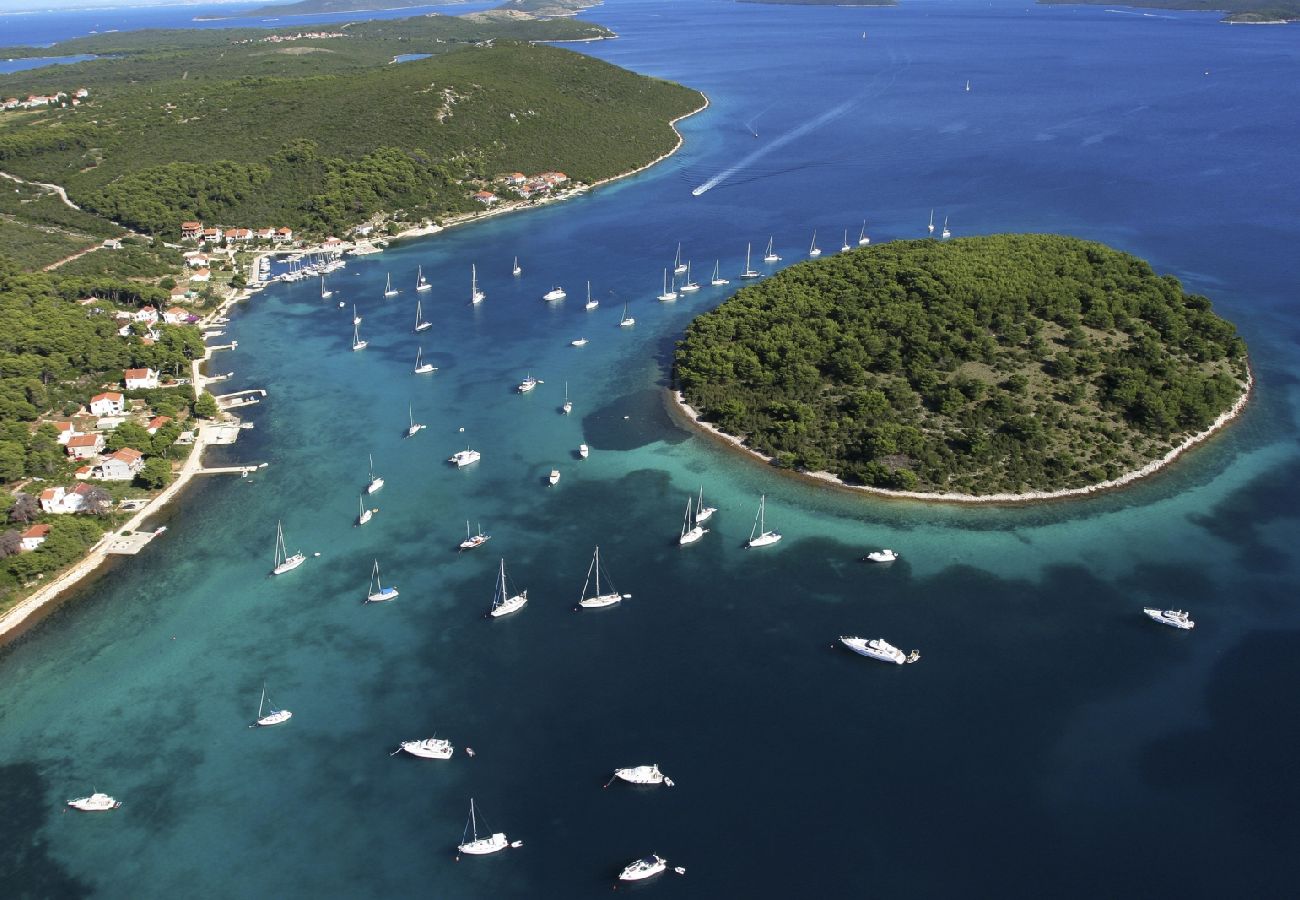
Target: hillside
{"x": 980, "y": 365}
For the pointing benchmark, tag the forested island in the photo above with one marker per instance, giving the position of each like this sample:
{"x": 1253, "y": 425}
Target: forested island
{"x": 1244, "y": 12}
{"x": 1005, "y": 364}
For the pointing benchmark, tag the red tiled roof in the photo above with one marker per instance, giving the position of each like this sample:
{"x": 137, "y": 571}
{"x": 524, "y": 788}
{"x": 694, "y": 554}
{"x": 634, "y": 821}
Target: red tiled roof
{"x": 37, "y": 531}
{"x": 127, "y": 455}
{"x": 110, "y": 395}
{"x": 84, "y": 440}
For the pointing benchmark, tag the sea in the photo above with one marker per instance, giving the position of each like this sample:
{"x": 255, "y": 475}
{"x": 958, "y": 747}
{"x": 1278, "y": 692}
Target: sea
{"x": 1051, "y": 741}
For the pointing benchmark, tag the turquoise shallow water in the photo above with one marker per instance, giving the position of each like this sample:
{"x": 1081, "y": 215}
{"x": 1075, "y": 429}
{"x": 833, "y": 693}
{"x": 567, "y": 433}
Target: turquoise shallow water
{"x": 1049, "y": 738}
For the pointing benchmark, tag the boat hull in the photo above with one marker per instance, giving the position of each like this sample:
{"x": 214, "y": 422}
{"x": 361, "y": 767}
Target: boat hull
{"x": 600, "y": 600}
{"x": 766, "y": 539}
{"x": 506, "y": 607}
{"x": 429, "y": 749}
{"x": 382, "y": 596}
{"x": 289, "y": 564}
{"x": 643, "y": 869}
{"x": 690, "y": 537}
{"x": 484, "y": 846}
{"x": 878, "y": 649}
{"x": 279, "y": 717}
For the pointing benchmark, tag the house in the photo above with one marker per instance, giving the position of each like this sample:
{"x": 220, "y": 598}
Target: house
{"x": 157, "y": 422}
{"x": 191, "y": 230}
{"x": 112, "y": 244}
{"x": 176, "y": 316}
{"x": 332, "y": 243}
{"x": 283, "y": 235}
{"x": 364, "y": 229}
{"x": 123, "y": 465}
{"x": 10, "y": 103}
{"x": 196, "y": 260}
{"x": 487, "y": 198}
{"x": 145, "y": 314}
{"x": 81, "y": 94}
{"x": 85, "y": 446}
{"x": 180, "y": 292}
{"x": 35, "y": 536}
{"x": 514, "y": 179}
{"x": 212, "y": 234}
{"x": 67, "y": 431}
{"x": 199, "y": 276}
{"x": 53, "y": 499}
{"x": 265, "y": 234}
{"x": 107, "y": 404}
{"x": 140, "y": 379}
{"x": 239, "y": 234}
{"x": 61, "y": 502}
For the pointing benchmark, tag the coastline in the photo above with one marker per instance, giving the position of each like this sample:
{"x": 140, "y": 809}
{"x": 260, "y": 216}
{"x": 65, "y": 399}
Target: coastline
{"x": 690, "y": 415}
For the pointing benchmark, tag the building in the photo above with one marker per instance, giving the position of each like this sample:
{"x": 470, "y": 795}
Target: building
{"x": 53, "y": 500}
{"x": 265, "y": 234}
{"x": 191, "y": 230}
{"x": 487, "y": 198}
{"x": 35, "y": 536}
{"x": 146, "y": 314}
{"x": 67, "y": 431}
{"x": 123, "y": 465}
{"x": 201, "y": 276}
{"x": 60, "y": 502}
{"x": 140, "y": 379}
{"x": 212, "y": 235}
{"x": 85, "y": 446}
{"x": 196, "y": 259}
{"x": 107, "y": 404}
{"x": 112, "y": 244}
{"x": 239, "y": 234}
{"x": 157, "y": 422}
{"x": 283, "y": 235}
{"x": 176, "y": 316}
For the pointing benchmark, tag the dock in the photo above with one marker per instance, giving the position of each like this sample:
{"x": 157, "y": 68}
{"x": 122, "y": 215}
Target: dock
{"x": 128, "y": 543}
{"x": 229, "y": 470}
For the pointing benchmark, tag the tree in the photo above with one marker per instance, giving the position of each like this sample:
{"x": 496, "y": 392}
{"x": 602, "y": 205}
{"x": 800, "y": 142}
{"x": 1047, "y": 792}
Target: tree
{"x": 129, "y": 434}
{"x": 96, "y": 501}
{"x": 12, "y": 461}
{"x": 155, "y": 473}
{"x": 24, "y": 509}
{"x": 11, "y": 543}
{"x": 205, "y": 407}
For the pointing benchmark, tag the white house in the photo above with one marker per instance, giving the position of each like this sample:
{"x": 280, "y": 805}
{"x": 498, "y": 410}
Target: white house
{"x": 123, "y": 465}
{"x": 58, "y": 501}
{"x": 67, "y": 431}
{"x": 85, "y": 446}
{"x": 201, "y": 275}
{"x": 140, "y": 379}
{"x": 107, "y": 404}
{"x": 146, "y": 314}
{"x": 35, "y": 536}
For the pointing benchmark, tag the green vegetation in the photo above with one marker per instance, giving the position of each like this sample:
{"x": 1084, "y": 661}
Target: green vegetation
{"x": 1237, "y": 10}
{"x": 1007, "y": 363}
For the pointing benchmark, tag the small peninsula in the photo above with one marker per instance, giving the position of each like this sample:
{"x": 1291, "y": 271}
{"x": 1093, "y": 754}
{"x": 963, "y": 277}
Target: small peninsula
{"x": 1008, "y": 366}
{"x": 1236, "y": 12}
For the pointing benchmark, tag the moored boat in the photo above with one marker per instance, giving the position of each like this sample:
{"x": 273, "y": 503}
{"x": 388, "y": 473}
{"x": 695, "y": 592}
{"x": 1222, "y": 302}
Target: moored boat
{"x": 759, "y": 535}
{"x": 377, "y": 592}
{"x": 882, "y": 556}
{"x": 480, "y": 846}
{"x": 646, "y": 867}
{"x": 268, "y": 715}
{"x": 554, "y": 478}
{"x": 597, "y": 599}
{"x": 1175, "y": 618}
{"x": 555, "y": 293}
{"x": 643, "y": 775}
{"x": 96, "y": 802}
{"x": 464, "y": 457}
{"x": 428, "y": 748}
{"x": 875, "y": 648}
{"x": 504, "y": 602}
{"x": 474, "y": 540}
{"x": 283, "y": 561}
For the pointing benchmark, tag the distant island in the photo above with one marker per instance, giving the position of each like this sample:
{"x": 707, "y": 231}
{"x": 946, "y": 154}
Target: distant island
{"x": 318, "y": 7}
{"x": 1239, "y": 12}
{"x": 824, "y": 2}
{"x": 1008, "y": 366}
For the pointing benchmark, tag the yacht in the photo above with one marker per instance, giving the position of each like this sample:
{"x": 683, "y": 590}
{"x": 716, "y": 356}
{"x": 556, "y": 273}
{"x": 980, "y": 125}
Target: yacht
{"x": 580, "y": 342}
{"x": 429, "y": 748}
{"x": 611, "y": 595}
{"x": 528, "y": 384}
{"x": 268, "y": 715}
{"x": 749, "y": 271}
{"x": 376, "y": 482}
{"x": 717, "y": 280}
{"x": 464, "y": 457}
{"x": 363, "y": 515}
{"x": 515, "y": 269}
{"x": 377, "y": 593}
{"x": 422, "y": 283}
{"x": 96, "y": 802}
{"x": 703, "y": 513}
{"x": 813, "y": 250}
{"x": 356, "y": 319}
{"x": 882, "y": 556}
{"x": 692, "y": 530}
{"x": 283, "y": 561}
{"x": 591, "y": 304}
{"x": 930, "y": 227}
{"x": 420, "y": 324}
{"x": 554, "y": 477}
{"x": 678, "y": 266}
{"x": 844, "y": 245}
{"x": 389, "y": 290}
{"x": 357, "y": 343}
{"x": 759, "y": 536}
{"x": 688, "y": 286}
{"x": 474, "y": 540}
{"x": 627, "y": 321}
{"x": 863, "y": 240}
{"x": 667, "y": 295}
{"x": 945, "y": 233}
{"x": 475, "y": 295}
{"x": 770, "y": 256}
{"x": 415, "y": 427}
{"x": 583, "y": 451}
{"x": 643, "y": 868}
{"x": 480, "y": 846}
{"x": 876, "y": 648}
{"x": 1176, "y": 618}
{"x": 422, "y": 367}
{"x": 325, "y": 293}
{"x": 643, "y": 775}
{"x": 503, "y": 602}
{"x": 555, "y": 293}
{"x": 568, "y": 404}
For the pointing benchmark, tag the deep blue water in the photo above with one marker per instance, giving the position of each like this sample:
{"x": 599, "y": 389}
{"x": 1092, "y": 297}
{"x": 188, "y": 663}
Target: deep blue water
{"x": 1051, "y": 742}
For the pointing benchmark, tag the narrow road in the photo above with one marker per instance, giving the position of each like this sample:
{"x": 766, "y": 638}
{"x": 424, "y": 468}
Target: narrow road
{"x": 63, "y": 195}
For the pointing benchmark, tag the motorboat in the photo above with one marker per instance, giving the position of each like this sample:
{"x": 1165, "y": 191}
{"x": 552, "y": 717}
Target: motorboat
{"x": 580, "y": 342}
{"x": 554, "y": 477}
{"x": 96, "y": 802}
{"x": 646, "y": 867}
{"x": 643, "y": 775}
{"x": 882, "y": 556}
{"x": 1175, "y": 618}
{"x": 429, "y": 748}
{"x": 555, "y": 293}
{"x": 528, "y": 384}
{"x": 876, "y": 648}
{"x": 583, "y": 451}
{"x": 464, "y": 457}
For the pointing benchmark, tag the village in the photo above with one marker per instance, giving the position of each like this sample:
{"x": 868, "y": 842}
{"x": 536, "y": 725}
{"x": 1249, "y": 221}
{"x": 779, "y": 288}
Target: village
{"x": 37, "y": 101}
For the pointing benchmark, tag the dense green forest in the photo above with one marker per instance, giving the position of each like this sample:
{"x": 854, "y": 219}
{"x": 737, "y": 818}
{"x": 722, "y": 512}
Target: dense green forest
{"x": 321, "y": 134}
{"x": 1237, "y": 10}
{"x": 979, "y": 365}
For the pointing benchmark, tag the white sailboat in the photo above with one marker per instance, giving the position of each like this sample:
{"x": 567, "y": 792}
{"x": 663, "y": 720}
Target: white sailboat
{"x": 465, "y": 457}
{"x": 415, "y": 427}
{"x": 813, "y": 250}
{"x": 598, "y": 599}
{"x": 945, "y": 233}
{"x": 474, "y": 540}
{"x": 717, "y": 280}
{"x": 770, "y": 256}
{"x": 356, "y": 319}
{"x": 377, "y": 593}
{"x": 692, "y": 530}
{"x": 96, "y": 802}
{"x": 475, "y": 295}
{"x": 863, "y": 240}
{"x": 749, "y": 271}
{"x": 283, "y": 561}
{"x": 703, "y": 513}
{"x": 420, "y": 324}
{"x": 930, "y": 227}
{"x": 667, "y": 295}
{"x": 480, "y": 846}
{"x": 376, "y": 482}
{"x": 389, "y": 290}
{"x": 325, "y": 293}
{"x": 689, "y": 286}
{"x": 591, "y": 304}
{"x": 844, "y": 245}
{"x": 515, "y": 270}
{"x": 503, "y": 602}
{"x": 357, "y": 343}
{"x": 422, "y": 367}
{"x": 678, "y": 266}
{"x": 267, "y": 714}
{"x": 555, "y": 293}
{"x": 627, "y": 321}
{"x": 968, "y": 85}
{"x": 422, "y": 283}
{"x": 759, "y": 536}
{"x": 363, "y": 515}
{"x": 568, "y": 404}
{"x": 578, "y": 342}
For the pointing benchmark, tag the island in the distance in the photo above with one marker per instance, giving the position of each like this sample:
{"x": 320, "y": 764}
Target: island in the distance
{"x": 1236, "y": 12}
{"x": 1012, "y": 366}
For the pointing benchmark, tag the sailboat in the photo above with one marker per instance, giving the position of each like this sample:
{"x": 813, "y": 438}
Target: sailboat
{"x": 703, "y": 513}
{"x": 678, "y": 266}
{"x": 568, "y": 404}
{"x": 414, "y": 428}
{"x": 930, "y": 227}
{"x": 422, "y": 367}
{"x": 377, "y": 592}
{"x": 357, "y": 343}
{"x": 591, "y": 304}
{"x": 356, "y": 319}
{"x": 813, "y": 250}
{"x": 420, "y": 324}
{"x": 863, "y": 240}
{"x": 749, "y": 272}
{"x": 578, "y": 342}
{"x": 515, "y": 270}
{"x": 689, "y": 286}
{"x": 474, "y": 540}
{"x": 627, "y": 321}
{"x": 597, "y": 599}
{"x": 503, "y": 603}
{"x": 363, "y": 515}
{"x": 692, "y": 530}
{"x": 271, "y": 716}
{"x": 945, "y": 233}
{"x": 325, "y": 293}
{"x": 389, "y": 290}
{"x": 968, "y": 85}
{"x": 283, "y": 561}
{"x": 376, "y": 482}
{"x": 477, "y": 846}
{"x": 475, "y": 295}
{"x": 667, "y": 295}
{"x": 718, "y": 280}
{"x": 422, "y": 283}
{"x": 465, "y": 457}
{"x": 759, "y": 536}
{"x": 770, "y": 256}
{"x": 555, "y": 293}
{"x": 844, "y": 246}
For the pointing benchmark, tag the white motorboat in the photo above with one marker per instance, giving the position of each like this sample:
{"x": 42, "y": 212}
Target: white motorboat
{"x": 474, "y": 540}
{"x": 646, "y": 867}
{"x": 717, "y": 280}
{"x": 930, "y": 227}
{"x": 749, "y": 271}
{"x": 464, "y": 457}
{"x": 420, "y": 324}
{"x": 591, "y": 304}
{"x": 96, "y": 802}
{"x": 357, "y": 342}
{"x": 813, "y": 250}
{"x": 515, "y": 269}
{"x": 422, "y": 283}
{"x": 283, "y": 561}
{"x": 503, "y": 601}
{"x": 692, "y": 530}
{"x": 703, "y": 513}
{"x": 475, "y": 295}
{"x": 363, "y": 515}
{"x": 554, "y": 477}
{"x": 688, "y": 286}
{"x": 583, "y": 451}
{"x": 555, "y": 293}
{"x": 1175, "y": 618}
{"x": 376, "y": 482}
{"x": 377, "y": 593}
{"x": 598, "y": 599}
{"x": 945, "y": 233}
{"x": 667, "y": 296}
{"x": 876, "y": 648}
{"x": 422, "y": 367}
{"x": 480, "y": 846}
{"x": 528, "y": 384}
{"x": 580, "y": 342}
{"x": 415, "y": 427}
{"x": 863, "y": 240}
{"x": 678, "y": 266}
{"x": 627, "y": 321}
{"x": 389, "y": 290}
{"x": 567, "y": 407}
{"x": 429, "y": 748}
{"x": 770, "y": 256}
{"x": 759, "y": 536}
{"x": 882, "y": 556}
{"x": 643, "y": 775}
{"x": 268, "y": 715}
